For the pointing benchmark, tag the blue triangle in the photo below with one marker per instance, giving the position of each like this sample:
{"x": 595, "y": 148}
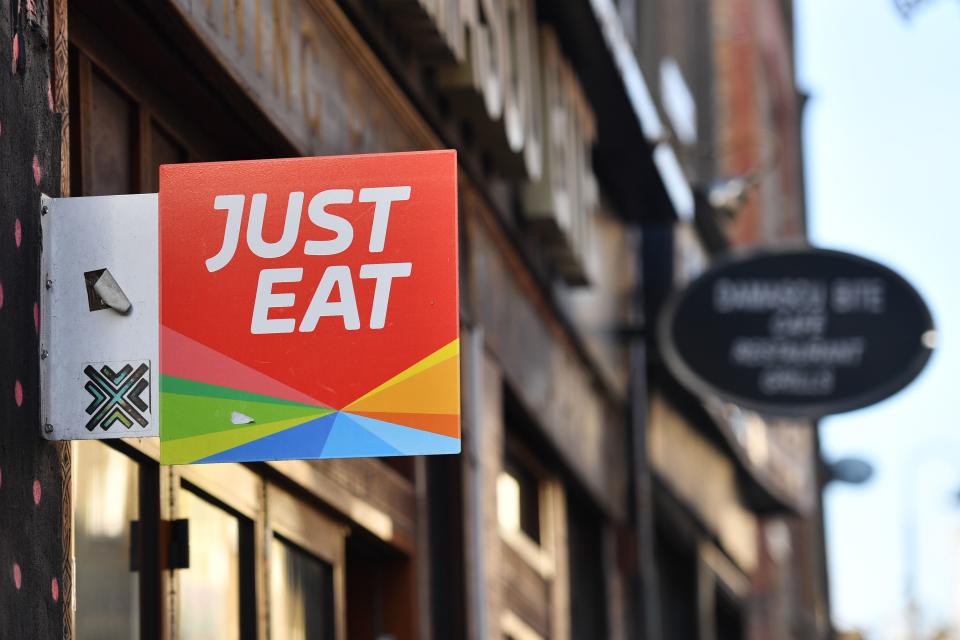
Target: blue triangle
{"x": 408, "y": 441}
{"x": 349, "y": 440}
{"x": 302, "y": 442}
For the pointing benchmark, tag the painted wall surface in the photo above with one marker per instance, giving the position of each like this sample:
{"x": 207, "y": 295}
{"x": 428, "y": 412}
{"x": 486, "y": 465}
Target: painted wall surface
{"x": 32, "y": 583}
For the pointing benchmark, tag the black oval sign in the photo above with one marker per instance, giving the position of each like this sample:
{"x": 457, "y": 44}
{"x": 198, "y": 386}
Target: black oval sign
{"x": 797, "y": 332}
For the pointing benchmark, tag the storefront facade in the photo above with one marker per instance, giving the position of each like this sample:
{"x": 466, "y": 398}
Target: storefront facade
{"x": 366, "y": 548}
{"x": 544, "y": 526}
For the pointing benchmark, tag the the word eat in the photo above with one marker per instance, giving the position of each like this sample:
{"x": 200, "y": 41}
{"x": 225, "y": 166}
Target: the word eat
{"x": 321, "y": 304}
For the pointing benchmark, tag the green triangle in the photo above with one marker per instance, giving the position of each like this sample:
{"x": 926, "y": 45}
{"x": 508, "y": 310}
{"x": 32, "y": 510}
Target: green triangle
{"x": 184, "y": 416}
{"x": 190, "y": 449}
{"x": 183, "y": 386}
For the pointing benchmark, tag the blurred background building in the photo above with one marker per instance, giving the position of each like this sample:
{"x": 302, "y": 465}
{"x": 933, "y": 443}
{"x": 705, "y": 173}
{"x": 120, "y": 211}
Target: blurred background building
{"x": 609, "y": 152}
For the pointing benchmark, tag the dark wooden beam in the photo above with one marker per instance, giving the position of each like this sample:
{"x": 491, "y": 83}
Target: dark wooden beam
{"x": 34, "y": 495}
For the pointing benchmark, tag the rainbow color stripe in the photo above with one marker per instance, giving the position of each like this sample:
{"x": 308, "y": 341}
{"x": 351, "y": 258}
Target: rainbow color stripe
{"x": 201, "y": 390}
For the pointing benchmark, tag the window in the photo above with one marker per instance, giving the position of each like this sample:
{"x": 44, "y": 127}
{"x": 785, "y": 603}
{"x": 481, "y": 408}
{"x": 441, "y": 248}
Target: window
{"x": 518, "y": 499}
{"x": 529, "y": 512}
{"x": 213, "y": 588}
{"x": 107, "y": 503}
{"x": 523, "y": 475}
{"x": 306, "y": 559}
{"x": 301, "y": 591}
{"x": 289, "y": 586}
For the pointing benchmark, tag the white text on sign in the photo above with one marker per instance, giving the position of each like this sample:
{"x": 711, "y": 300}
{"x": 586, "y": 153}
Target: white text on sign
{"x": 321, "y": 304}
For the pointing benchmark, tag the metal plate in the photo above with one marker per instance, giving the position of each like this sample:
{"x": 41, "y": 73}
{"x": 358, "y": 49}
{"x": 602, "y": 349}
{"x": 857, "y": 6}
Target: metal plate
{"x": 97, "y": 365}
{"x": 344, "y": 347}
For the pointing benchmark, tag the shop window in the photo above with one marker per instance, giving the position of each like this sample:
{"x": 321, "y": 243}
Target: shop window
{"x": 301, "y": 594}
{"x": 217, "y": 590}
{"x": 107, "y": 502}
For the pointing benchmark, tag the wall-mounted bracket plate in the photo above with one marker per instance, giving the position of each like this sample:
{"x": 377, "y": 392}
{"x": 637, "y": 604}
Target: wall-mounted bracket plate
{"x": 99, "y": 324}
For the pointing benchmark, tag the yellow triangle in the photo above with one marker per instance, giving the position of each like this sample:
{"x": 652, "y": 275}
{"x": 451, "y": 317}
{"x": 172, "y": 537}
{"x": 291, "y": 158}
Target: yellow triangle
{"x": 450, "y": 350}
{"x": 432, "y": 390}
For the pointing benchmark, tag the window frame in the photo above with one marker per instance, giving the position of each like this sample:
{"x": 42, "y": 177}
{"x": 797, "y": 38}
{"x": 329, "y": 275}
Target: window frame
{"x": 313, "y": 533}
{"x": 234, "y": 491}
{"x": 146, "y": 533}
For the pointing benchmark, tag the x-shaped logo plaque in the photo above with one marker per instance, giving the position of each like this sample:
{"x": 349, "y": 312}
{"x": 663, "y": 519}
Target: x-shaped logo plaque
{"x": 118, "y": 396}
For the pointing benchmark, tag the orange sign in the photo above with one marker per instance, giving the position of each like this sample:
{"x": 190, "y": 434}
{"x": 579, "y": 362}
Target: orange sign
{"x": 308, "y": 308}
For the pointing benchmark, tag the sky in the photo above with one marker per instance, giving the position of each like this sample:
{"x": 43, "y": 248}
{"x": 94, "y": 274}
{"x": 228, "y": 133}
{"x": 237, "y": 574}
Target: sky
{"x": 882, "y": 145}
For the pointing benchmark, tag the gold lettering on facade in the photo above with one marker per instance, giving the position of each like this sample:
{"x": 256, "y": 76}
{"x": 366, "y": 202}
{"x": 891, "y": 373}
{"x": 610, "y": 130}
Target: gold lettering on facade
{"x": 354, "y": 108}
{"x": 450, "y": 26}
{"x": 226, "y": 18}
{"x": 239, "y": 18}
{"x": 489, "y": 60}
{"x": 310, "y": 56}
{"x": 281, "y": 49}
{"x": 258, "y": 37}
{"x": 562, "y": 202}
{"x": 233, "y": 20}
{"x": 571, "y": 173}
{"x": 526, "y": 75}
{"x": 510, "y": 77}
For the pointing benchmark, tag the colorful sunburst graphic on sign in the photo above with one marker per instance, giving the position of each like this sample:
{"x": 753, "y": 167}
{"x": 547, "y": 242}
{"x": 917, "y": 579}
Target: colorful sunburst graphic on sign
{"x": 309, "y": 309}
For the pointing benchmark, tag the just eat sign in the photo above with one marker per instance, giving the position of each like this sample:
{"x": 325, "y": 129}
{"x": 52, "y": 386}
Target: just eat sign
{"x": 308, "y": 308}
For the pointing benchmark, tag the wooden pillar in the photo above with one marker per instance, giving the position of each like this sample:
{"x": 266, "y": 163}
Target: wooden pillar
{"x": 556, "y": 542}
{"x": 483, "y": 451}
{"x": 34, "y": 491}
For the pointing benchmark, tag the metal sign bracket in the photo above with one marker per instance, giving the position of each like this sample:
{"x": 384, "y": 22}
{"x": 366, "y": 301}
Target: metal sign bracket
{"x": 99, "y": 317}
